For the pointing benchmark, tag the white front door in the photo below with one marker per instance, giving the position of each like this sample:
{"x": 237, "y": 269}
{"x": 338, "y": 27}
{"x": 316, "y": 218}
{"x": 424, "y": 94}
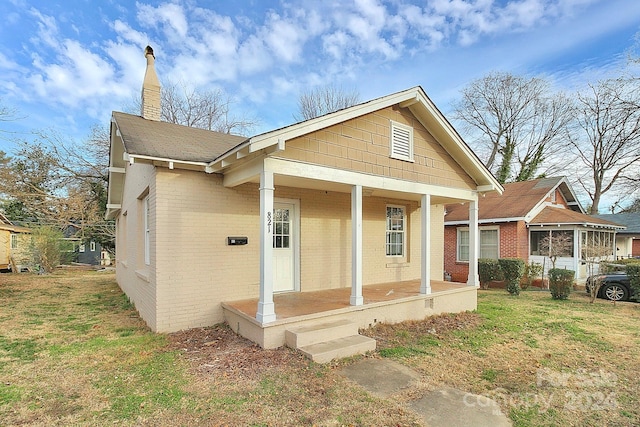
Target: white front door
{"x": 284, "y": 246}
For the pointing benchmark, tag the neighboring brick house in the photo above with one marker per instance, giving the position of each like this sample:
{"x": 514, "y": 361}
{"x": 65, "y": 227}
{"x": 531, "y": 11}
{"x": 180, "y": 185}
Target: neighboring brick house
{"x": 627, "y": 240}
{"x": 349, "y": 199}
{"x": 513, "y": 224}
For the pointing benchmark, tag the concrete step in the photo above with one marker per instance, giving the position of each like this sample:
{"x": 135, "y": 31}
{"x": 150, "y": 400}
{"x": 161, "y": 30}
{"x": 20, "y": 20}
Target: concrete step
{"x": 338, "y": 348}
{"x": 302, "y": 336}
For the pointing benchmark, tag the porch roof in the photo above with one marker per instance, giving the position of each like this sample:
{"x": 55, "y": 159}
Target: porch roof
{"x": 520, "y": 201}
{"x": 556, "y": 216}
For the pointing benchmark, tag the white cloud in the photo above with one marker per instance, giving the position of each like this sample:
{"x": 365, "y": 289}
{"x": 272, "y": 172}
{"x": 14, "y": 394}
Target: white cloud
{"x": 169, "y": 16}
{"x": 123, "y": 30}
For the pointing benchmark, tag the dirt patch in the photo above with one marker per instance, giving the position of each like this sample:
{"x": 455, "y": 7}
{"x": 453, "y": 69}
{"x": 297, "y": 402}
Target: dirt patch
{"x": 218, "y": 350}
{"x": 391, "y": 335}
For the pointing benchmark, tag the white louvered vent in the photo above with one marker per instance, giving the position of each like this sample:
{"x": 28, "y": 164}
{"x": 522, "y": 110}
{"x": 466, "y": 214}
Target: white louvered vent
{"x": 401, "y": 142}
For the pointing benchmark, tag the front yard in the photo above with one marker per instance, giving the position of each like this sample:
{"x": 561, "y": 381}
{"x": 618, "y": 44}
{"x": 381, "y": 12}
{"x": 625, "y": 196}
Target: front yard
{"x": 74, "y": 352}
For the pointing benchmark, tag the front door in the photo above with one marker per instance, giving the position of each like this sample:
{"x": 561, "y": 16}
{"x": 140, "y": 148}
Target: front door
{"x": 284, "y": 215}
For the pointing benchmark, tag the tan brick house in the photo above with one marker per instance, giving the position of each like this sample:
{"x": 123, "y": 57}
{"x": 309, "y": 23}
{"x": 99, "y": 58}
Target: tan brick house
{"x": 513, "y": 224}
{"x": 334, "y": 219}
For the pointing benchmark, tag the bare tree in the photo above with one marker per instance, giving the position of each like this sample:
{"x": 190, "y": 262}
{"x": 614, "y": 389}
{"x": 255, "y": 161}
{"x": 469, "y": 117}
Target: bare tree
{"x": 7, "y": 114}
{"x": 57, "y": 182}
{"x": 324, "y": 99}
{"x": 557, "y": 244}
{"x": 202, "y": 109}
{"x": 596, "y": 250}
{"x": 606, "y": 136}
{"x": 516, "y": 123}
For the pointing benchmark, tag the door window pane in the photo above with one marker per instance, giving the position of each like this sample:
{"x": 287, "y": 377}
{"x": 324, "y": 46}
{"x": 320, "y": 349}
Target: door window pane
{"x": 282, "y": 229}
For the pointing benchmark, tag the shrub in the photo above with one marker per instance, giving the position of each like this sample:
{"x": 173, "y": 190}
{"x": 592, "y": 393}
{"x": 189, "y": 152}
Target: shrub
{"x": 488, "y": 271}
{"x": 633, "y": 271}
{"x": 560, "y": 282}
{"x": 512, "y": 270}
{"x": 45, "y": 248}
{"x": 532, "y": 271}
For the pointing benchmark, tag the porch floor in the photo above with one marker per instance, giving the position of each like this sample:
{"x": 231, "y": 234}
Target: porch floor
{"x": 294, "y": 304}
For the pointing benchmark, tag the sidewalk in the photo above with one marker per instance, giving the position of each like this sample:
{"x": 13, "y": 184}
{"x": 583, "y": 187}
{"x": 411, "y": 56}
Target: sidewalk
{"x": 438, "y": 408}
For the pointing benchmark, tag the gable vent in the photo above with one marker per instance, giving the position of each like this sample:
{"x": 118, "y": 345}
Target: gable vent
{"x": 401, "y": 141}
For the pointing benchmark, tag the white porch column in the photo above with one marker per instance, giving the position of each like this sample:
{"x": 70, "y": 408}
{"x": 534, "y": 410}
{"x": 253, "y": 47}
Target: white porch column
{"x": 266, "y": 308}
{"x": 474, "y": 244}
{"x": 425, "y": 245}
{"x": 356, "y": 245}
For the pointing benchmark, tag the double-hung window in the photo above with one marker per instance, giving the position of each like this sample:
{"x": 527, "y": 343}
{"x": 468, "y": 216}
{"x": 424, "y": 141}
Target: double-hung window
{"x": 489, "y": 243}
{"x": 14, "y": 241}
{"x": 396, "y": 229}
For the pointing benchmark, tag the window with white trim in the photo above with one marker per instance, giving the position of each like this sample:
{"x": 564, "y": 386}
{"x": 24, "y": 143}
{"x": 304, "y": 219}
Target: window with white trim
{"x": 146, "y": 229}
{"x": 395, "y": 234}
{"x": 92, "y": 246}
{"x": 489, "y": 243}
{"x": 14, "y": 241}
{"x": 81, "y": 248}
{"x": 401, "y": 141}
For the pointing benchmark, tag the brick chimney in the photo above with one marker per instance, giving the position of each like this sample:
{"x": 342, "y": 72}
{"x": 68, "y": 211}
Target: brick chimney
{"x": 150, "y": 89}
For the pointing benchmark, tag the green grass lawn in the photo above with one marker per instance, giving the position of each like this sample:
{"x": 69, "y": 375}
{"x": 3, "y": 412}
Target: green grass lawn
{"x": 74, "y": 352}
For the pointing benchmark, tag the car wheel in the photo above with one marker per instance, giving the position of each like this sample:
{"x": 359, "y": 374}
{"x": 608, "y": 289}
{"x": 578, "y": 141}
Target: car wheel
{"x": 615, "y": 292}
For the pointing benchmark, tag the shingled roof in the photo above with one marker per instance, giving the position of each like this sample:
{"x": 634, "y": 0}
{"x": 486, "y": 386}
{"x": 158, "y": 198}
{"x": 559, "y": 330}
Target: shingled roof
{"x": 630, "y": 220}
{"x": 528, "y": 201}
{"x": 551, "y": 216}
{"x": 518, "y": 201}
{"x": 171, "y": 141}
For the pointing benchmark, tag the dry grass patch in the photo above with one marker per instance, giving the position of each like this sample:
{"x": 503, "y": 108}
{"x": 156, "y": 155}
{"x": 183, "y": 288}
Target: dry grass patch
{"x": 546, "y": 362}
{"x": 74, "y": 352}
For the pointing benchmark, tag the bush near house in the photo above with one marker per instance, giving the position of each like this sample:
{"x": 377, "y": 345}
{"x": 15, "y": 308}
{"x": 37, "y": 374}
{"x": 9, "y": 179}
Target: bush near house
{"x": 633, "y": 272}
{"x": 45, "y": 248}
{"x": 560, "y": 282}
{"x": 532, "y": 271}
{"x": 488, "y": 271}
{"x": 512, "y": 269}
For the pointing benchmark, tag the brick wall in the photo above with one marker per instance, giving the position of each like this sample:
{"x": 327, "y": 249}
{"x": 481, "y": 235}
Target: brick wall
{"x": 514, "y": 243}
{"x": 196, "y": 270}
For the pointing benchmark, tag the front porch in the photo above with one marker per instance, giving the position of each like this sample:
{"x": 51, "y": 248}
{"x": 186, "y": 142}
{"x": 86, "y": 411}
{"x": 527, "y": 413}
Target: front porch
{"x": 383, "y": 303}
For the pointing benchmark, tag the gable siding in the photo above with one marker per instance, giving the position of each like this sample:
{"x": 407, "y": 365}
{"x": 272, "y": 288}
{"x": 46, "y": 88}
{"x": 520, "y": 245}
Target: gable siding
{"x": 362, "y": 145}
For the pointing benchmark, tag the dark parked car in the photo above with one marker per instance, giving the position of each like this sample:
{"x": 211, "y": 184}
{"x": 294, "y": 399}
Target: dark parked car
{"x": 615, "y": 286}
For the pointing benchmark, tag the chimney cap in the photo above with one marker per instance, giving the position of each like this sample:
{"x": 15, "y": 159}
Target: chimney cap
{"x": 149, "y": 51}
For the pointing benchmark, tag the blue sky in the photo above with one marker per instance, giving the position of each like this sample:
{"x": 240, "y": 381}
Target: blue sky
{"x": 67, "y": 65}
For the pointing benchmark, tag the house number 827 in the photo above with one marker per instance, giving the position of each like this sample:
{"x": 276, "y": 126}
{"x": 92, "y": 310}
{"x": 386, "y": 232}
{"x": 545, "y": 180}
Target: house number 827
{"x": 268, "y": 222}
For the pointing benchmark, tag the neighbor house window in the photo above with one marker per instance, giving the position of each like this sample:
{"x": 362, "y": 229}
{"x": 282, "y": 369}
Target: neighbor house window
{"x": 81, "y": 247}
{"x": 92, "y": 246}
{"x": 401, "y": 145}
{"x": 539, "y": 242}
{"x": 14, "y": 241}
{"x": 489, "y": 243}
{"x": 395, "y": 231}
